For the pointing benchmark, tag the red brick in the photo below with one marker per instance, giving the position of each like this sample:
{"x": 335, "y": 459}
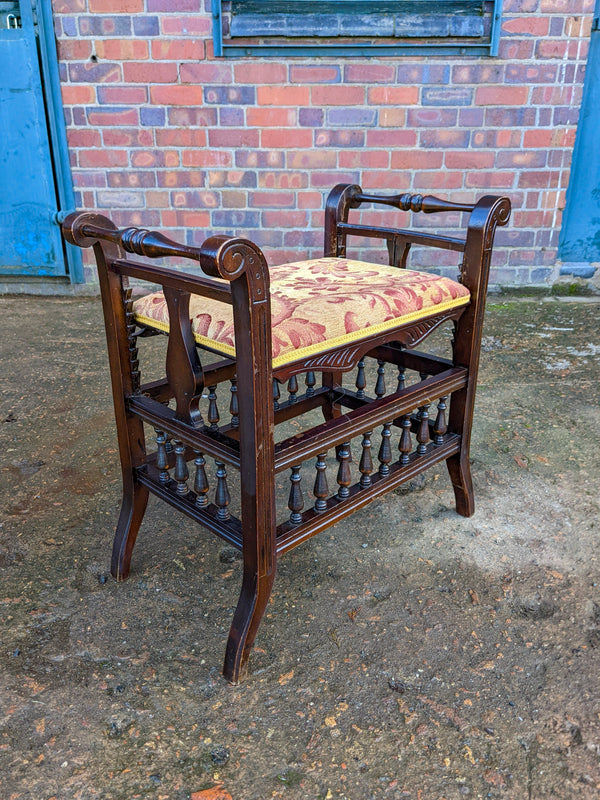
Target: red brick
{"x": 490, "y": 180}
{"x": 77, "y": 95}
{"x": 190, "y": 25}
{"x": 121, "y": 49}
{"x": 372, "y": 159}
{"x": 127, "y": 116}
{"x": 83, "y": 137}
{"x": 392, "y": 118}
{"x": 206, "y": 73}
{"x": 369, "y": 73}
{"x": 149, "y": 72}
{"x": 416, "y": 159}
{"x": 74, "y": 49}
{"x": 282, "y": 180}
{"x": 261, "y": 73}
{"x": 206, "y": 158}
{"x": 501, "y": 95}
{"x": 186, "y": 219}
{"x": 338, "y": 95}
{"x": 390, "y": 138}
{"x": 326, "y": 180}
{"x": 521, "y": 158}
{"x": 271, "y": 200}
{"x": 469, "y": 159}
{"x": 115, "y": 6}
{"x": 312, "y": 159}
{"x": 539, "y": 180}
{"x": 180, "y": 178}
{"x": 310, "y": 74}
{"x": 127, "y": 137}
{"x": 126, "y": 95}
{"x": 271, "y": 117}
{"x": 387, "y": 179}
{"x": 528, "y": 24}
{"x": 202, "y": 199}
{"x": 289, "y": 219}
{"x": 178, "y": 49}
{"x": 176, "y": 95}
{"x": 233, "y": 137}
{"x": 393, "y": 95}
{"x": 103, "y": 158}
{"x": 289, "y": 138}
{"x": 283, "y": 95}
{"x": 310, "y": 199}
{"x": 551, "y": 48}
{"x": 438, "y": 180}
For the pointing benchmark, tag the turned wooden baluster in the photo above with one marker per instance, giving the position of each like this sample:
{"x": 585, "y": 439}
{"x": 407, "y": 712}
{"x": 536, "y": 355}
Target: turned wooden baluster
{"x": 321, "y": 489}
{"x": 344, "y": 476}
{"x": 162, "y": 460}
{"x": 200, "y": 481}
{"x": 310, "y": 381}
{"x": 276, "y": 394}
{"x": 296, "y": 501}
{"x": 213, "y": 411}
{"x": 366, "y": 462}
{"x": 385, "y": 450}
{"x": 222, "y": 496}
{"x": 292, "y": 388}
{"x": 423, "y": 429}
{"x": 361, "y": 380}
{"x": 181, "y": 473}
{"x": 380, "y": 385}
{"x": 405, "y": 444}
{"x": 234, "y": 406}
{"x": 401, "y": 378}
{"x": 440, "y": 426}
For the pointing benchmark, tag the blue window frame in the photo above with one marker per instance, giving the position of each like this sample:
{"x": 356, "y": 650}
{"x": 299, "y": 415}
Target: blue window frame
{"x": 355, "y": 27}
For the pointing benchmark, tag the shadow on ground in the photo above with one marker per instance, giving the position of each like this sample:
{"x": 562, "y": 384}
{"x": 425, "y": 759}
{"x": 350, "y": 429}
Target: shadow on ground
{"x": 407, "y": 653}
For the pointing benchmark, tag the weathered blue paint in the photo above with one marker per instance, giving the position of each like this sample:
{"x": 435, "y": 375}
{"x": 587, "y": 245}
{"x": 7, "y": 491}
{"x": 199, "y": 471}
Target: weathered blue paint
{"x": 580, "y": 234}
{"x": 30, "y": 241}
{"x": 450, "y": 27}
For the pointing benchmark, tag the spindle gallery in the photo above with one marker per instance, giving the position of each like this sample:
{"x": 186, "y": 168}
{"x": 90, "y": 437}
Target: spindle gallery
{"x": 250, "y": 348}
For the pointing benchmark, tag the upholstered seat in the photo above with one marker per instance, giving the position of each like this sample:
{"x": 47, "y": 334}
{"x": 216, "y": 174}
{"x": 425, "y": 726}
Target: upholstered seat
{"x": 317, "y": 305}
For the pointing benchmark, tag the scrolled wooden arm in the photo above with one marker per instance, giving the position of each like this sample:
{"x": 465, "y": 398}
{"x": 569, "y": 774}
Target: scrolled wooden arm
{"x": 413, "y": 202}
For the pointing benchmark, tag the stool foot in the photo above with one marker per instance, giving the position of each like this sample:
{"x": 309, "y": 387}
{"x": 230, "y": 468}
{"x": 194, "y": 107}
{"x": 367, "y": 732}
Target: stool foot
{"x": 462, "y": 483}
{"x": 135, "y": 499}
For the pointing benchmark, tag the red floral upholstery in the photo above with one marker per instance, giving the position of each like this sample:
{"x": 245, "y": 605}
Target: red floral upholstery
{"x": 319, "y": 304}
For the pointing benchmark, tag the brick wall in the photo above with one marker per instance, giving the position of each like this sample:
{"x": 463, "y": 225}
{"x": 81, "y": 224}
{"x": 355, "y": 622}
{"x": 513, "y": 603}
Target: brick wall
{"x": 163, "y": 135}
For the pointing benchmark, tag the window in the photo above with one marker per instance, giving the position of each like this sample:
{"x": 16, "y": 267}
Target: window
{"x": 355, "y": 27}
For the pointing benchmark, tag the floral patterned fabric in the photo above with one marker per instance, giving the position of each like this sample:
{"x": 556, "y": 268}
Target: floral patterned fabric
{"x": 319, "y": 304}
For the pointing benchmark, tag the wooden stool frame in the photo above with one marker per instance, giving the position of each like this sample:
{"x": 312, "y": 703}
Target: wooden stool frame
{"x": 247, "y": 443}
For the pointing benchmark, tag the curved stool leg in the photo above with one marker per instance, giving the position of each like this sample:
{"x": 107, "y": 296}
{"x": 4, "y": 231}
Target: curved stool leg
{"x": 462, "y": 483}
{"x": 251, "y": 606}
{"x": 133, "y": 507}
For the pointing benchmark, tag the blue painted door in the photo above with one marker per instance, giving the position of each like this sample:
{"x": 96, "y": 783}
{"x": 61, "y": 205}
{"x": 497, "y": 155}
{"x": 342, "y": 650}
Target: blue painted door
{"x": 580, "y": 234}
{"x": 30, "y": 242}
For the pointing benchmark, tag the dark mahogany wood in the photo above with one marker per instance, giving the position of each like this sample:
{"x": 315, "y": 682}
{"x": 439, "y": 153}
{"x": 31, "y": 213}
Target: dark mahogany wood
{"x": 243, "y": 445}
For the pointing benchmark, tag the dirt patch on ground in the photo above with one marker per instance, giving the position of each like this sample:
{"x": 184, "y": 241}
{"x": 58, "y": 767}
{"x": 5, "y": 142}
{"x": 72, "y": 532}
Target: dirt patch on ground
{"x": 407, "y": 652}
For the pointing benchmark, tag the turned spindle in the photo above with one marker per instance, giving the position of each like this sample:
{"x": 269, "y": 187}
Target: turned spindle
{"x": 222, "y": 496}
{"x": 405, "y": 443}
{"x": 423, "y": 429}
{"x": 276, "y": 394}
{"x": 344, "y": 476}
{"x": 181, "y": 473}
{"x": 380, "y": 384}
{"x": 385, "y": 450}
{"x": 213, "y": 411}
{"x": 162, "y": 460}
{"x": 310, "y": 381}
{"x": 234, "y": 406}
{"x": 292, "y": 388}
{"x": 440, "y": 426}
{"x": 401, "y": 378}
{"x": 321, "y": 489}
{"x": 366, "y": 461}
{"x": 295, "y": 501}
{"x": 361, "y": 380}
{"x": 200, "y": 481}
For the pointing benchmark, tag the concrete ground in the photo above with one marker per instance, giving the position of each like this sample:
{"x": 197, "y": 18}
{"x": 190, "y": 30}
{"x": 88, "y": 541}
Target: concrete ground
{"x": 408, "y": 652}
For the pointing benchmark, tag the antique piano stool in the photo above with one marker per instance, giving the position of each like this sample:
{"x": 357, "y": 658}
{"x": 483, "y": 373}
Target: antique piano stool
{"x": 247, "y": 330}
